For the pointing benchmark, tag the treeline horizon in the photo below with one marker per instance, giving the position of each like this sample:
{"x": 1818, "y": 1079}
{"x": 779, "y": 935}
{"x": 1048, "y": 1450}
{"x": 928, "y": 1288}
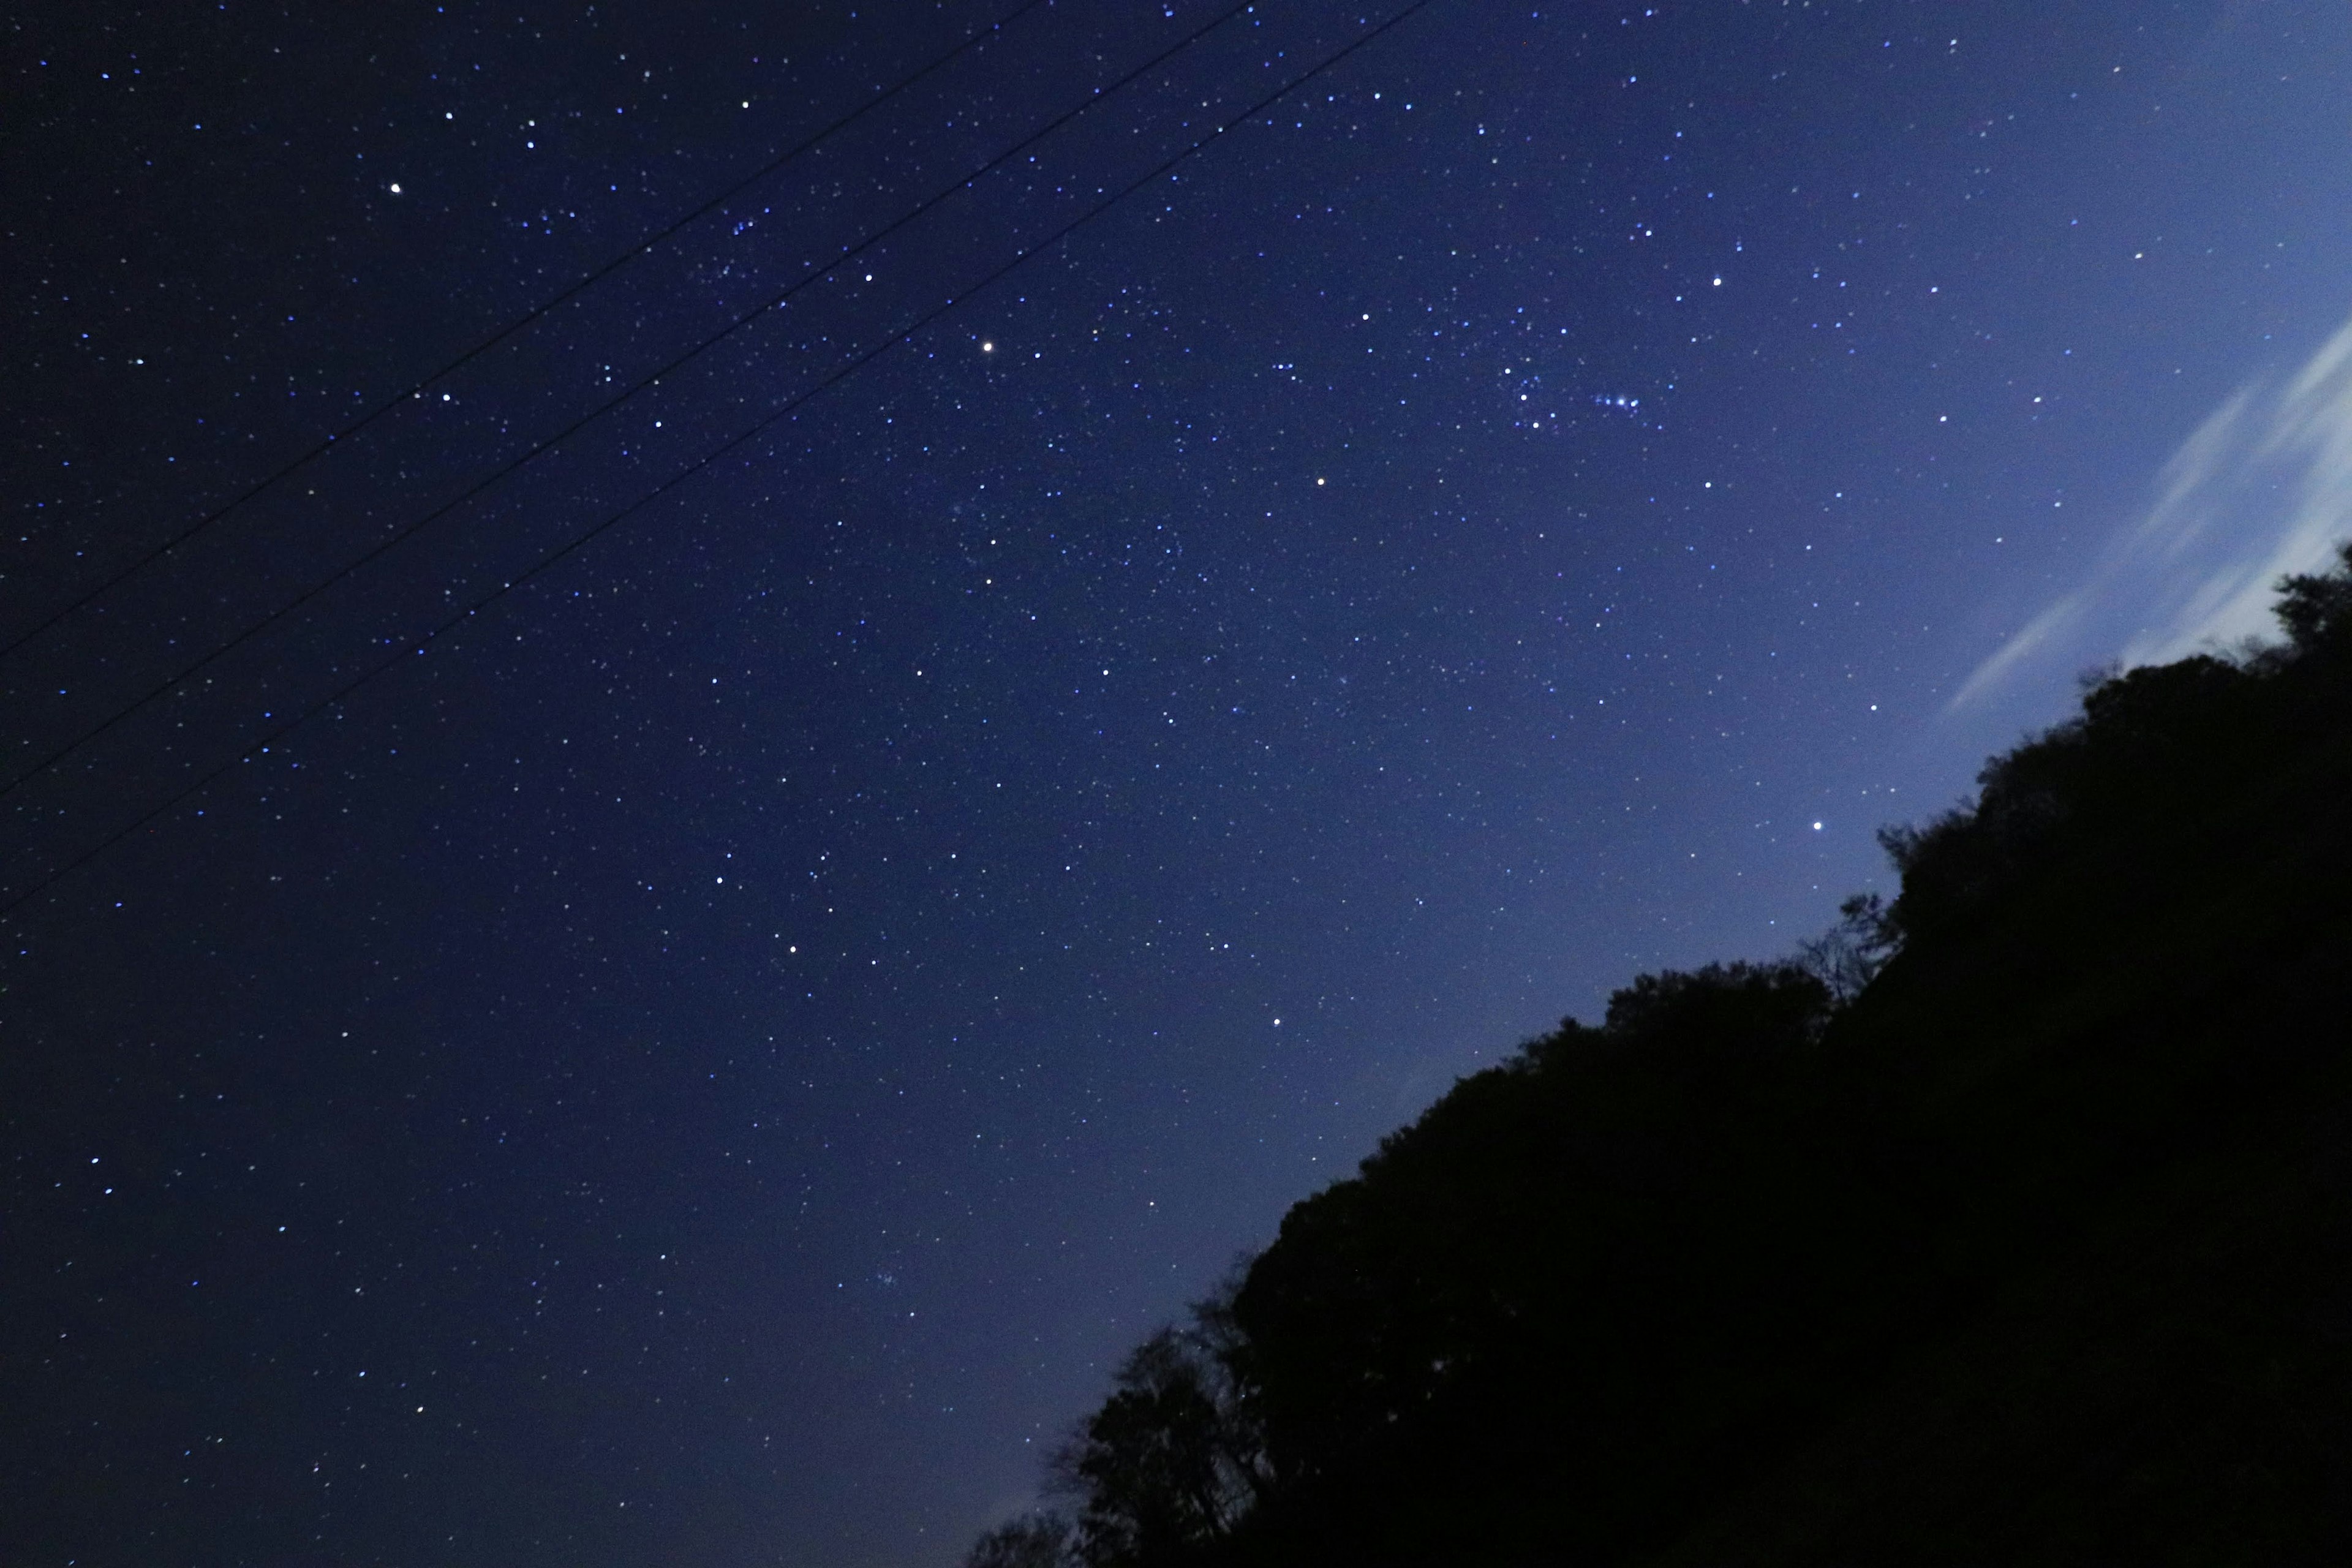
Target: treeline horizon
{"x": 2004, "y": 1222}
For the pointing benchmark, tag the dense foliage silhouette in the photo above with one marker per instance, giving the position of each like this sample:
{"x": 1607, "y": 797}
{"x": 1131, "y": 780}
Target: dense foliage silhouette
{"x": 2009, "y": 1222}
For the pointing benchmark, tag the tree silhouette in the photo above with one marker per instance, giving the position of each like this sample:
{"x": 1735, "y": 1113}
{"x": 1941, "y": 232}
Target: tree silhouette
{"x": 2316, "y": 609}
{"x": 1170, "y": 1462}
{"x": 2007, "y": 1222}
{"x": 1032, "y": 1540}
{"x": 1848, "y": 956}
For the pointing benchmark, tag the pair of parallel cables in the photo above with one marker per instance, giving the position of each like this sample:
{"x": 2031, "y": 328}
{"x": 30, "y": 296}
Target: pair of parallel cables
{"x": 416, "y": 643}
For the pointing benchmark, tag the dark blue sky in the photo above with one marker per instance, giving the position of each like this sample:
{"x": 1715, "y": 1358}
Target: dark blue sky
{"x": 710, "y": 1061}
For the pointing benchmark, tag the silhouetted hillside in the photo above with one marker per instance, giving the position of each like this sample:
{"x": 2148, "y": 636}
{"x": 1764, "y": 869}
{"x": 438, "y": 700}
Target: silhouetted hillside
{"x": 2013, "y": 1223}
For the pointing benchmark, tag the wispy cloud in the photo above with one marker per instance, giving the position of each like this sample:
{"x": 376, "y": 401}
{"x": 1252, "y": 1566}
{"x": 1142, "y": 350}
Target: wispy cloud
{"x": 2264, "y": 488}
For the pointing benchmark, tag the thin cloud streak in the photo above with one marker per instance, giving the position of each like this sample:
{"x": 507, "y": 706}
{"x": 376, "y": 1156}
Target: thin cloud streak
{"x": 2263, "y": 489}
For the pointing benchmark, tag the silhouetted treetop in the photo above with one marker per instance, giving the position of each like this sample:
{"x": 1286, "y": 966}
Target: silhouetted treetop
{"x": 2007, "y": 1222}
{"x": 2150, "y": 741}
{"x": 2316, "y": 609}
{"x": 1033, "y": 1540}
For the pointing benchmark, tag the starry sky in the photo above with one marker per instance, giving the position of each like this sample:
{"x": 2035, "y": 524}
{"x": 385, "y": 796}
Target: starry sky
{"x": 662, "y": 955}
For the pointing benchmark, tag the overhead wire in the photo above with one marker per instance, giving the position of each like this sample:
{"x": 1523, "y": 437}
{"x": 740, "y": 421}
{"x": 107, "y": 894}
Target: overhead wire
{"x": 643, "y": 383}
{"x": 646, "y": 246}
{"x": 418, "y": 644}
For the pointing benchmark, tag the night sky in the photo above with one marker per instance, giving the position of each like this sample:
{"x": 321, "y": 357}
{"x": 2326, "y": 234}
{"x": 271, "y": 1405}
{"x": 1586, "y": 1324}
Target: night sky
{"x": 710, "y": 1057}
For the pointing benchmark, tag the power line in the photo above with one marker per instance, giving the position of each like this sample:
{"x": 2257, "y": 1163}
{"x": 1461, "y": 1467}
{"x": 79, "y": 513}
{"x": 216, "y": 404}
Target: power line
{"x": 547, "y": 561}
{"x": 643, "y": 247}
{"x": 547, "y": 444}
